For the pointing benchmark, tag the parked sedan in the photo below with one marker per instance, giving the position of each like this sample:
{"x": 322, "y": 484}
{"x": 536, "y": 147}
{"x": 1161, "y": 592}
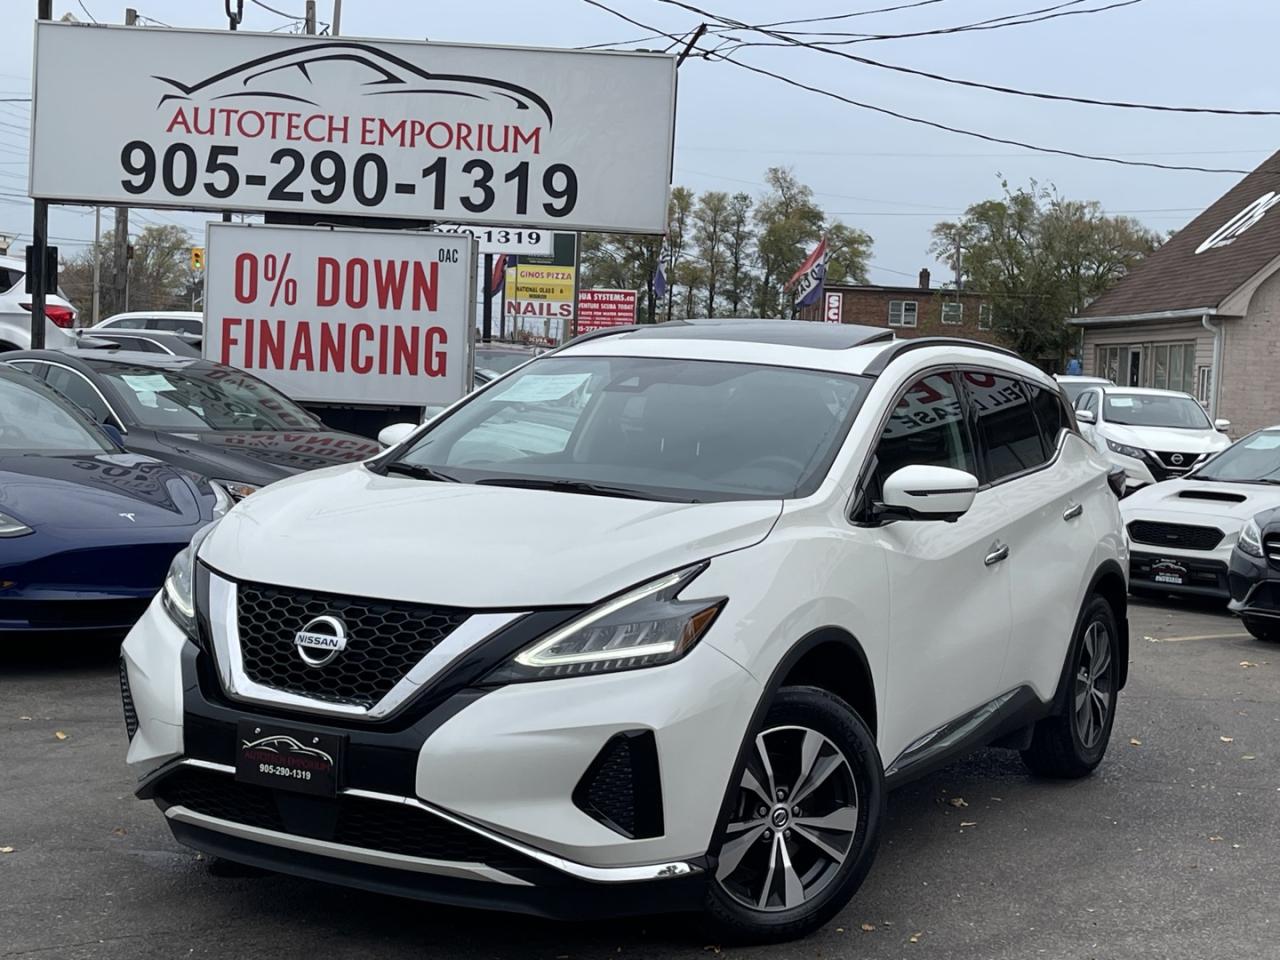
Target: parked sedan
{"x": 87, "y": 530}
{"x": 213, "y": 420}
{"x": 143, "y": 341}
{"x": 1255, "y": 576}
{"x": 1183, "y": 531}
{"x": 1153, "y": 434}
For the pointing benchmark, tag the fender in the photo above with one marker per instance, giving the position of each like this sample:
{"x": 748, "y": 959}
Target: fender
{"x": 1107, "y": 567}
{"x": 810, "y": 641}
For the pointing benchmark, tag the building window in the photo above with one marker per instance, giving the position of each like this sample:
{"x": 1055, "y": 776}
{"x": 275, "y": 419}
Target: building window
{"x": 984, "y": 316}
{"x": 902, "y": 313}
{"x": 1109, "y": 361}
{"x": 1203, "y": 384}
{"x": 1172, "y": 365}
{"x": 952, "y": 312}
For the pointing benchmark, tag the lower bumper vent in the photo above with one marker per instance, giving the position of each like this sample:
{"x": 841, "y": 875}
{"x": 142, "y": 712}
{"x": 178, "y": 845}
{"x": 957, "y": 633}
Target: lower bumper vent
{"x": 623, "y": 787}
{"x": 126, "y": 700}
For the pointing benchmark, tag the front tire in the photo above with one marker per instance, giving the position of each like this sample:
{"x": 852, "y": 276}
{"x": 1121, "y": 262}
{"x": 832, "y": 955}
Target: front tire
{"x": 803, "y": 821}
{"x": 1262, "y": 629}
{"x": 1071, "y": 743}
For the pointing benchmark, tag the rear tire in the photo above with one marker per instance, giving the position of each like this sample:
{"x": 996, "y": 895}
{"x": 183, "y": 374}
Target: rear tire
{"x": 1071, "y": 743}
{"x": 803, "y": 823}
{"x": 1262, "y": 629}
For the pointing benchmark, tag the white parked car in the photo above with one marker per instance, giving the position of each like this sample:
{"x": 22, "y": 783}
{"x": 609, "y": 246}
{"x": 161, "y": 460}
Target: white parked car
{"x": 15, "y": 311}
{"x": 184, "y": 322}
{"x": 651, "y": 623}
{"x": 1153, "y": 434}
{"x": 1073, "y": 386}
{"x": 1183, "y": 531}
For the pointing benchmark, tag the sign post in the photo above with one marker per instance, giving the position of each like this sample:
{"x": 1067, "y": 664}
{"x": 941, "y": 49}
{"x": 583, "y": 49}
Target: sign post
{"x": 343, "y": 316}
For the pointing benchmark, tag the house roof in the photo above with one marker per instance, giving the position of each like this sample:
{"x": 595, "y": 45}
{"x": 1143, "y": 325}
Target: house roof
{"x": 1210, "y": 258}
{"x": 917, "y": 292}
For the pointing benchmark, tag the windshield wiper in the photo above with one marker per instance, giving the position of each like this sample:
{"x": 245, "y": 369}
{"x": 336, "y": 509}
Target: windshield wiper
{"x": 573, "y": 486}
{"x": 417, "y": 471}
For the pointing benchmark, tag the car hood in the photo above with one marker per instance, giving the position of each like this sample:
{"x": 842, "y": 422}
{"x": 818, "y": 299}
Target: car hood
{"x": 1167, "y": 439}
{"x": 105, "y": 492}
{"x": 350, "y": 531}
{"x": 288, "y": 451}
{"x": 1226, "y": 505}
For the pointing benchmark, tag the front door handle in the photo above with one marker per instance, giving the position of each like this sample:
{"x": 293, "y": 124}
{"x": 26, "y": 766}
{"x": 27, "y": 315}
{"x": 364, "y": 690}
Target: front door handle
{"x": 1073, "y": 511}
{"x": 998, "y": 553}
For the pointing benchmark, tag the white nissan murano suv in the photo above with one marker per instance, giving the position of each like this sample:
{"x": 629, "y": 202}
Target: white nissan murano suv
{"x": 651, "y": 623}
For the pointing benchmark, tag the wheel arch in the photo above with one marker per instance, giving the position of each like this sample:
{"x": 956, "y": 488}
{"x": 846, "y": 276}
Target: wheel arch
{"x": 1109, "y": 583}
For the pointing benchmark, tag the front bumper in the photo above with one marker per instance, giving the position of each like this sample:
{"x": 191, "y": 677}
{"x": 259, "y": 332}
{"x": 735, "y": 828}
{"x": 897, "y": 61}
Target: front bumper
{"x": 1181, "y": 572}
{"x": 494, "y": 769}
{"x": 1255, "y": 586}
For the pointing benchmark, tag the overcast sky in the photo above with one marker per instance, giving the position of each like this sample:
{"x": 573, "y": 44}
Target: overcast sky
{"x": 890, "y": 177}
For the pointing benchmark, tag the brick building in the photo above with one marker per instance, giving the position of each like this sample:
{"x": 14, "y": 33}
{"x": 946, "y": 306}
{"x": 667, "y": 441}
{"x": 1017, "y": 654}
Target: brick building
{"x": 1202, "y": 313}
{"x": 919, "y": 311}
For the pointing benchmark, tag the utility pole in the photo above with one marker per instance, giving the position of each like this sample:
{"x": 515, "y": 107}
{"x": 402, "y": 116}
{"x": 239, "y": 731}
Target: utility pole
{"x": 233, "y": 22}
{"x": 120, "y": 234}
{"x": 39, "y": 237}
{"x": 309, "y": 19}
{"x": 97, "y": 263}
{"x": 336, "y": 27}
{"x": 486, "y": 328}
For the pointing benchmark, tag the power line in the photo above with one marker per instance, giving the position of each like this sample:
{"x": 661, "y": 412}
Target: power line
{"x": 848, "y": 16}
{"x": 86, "y": 11}
{"x": 1013, "y": 91}
{"x": 990, "y": 138}
{"x": 278, "y": 13}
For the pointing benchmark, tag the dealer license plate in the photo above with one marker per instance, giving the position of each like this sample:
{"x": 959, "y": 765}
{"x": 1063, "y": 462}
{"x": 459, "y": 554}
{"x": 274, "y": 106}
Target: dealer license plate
{"x": 1169, "y": 571}
{"x": 286, "y": 759}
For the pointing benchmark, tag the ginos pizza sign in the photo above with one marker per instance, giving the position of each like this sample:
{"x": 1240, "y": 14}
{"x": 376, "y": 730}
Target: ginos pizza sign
{"x": 354, "y": 316}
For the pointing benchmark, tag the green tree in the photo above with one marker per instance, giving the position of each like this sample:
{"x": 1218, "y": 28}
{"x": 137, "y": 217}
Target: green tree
{"x": 160, "y": 275}
{"x": 711, "y": 225}
{"x": 739, "y": 252}
{"x": 678, "y": 249}
{"x": 789, "y": 223}
{"x": 849, "y": 250}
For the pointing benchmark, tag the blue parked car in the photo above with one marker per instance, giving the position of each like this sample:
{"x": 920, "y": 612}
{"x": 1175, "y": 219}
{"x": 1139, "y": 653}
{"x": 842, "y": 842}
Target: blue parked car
{"x": 87, "y": 530}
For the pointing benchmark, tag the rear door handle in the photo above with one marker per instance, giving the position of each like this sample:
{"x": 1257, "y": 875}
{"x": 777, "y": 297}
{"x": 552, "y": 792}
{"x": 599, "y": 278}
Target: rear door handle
{"x": 1000, "y": 552}
{"x": 1073, "y": 511}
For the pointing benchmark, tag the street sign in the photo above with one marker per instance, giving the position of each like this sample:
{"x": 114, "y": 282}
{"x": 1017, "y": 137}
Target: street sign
{"x": 599, "y": 308}
{"x": 511, "y": 136}
{"x": 345, "y": 316}
{"x": 499, "y": 240}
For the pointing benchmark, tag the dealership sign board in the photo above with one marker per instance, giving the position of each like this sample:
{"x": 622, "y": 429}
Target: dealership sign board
{"x": 599, "y": 308}
{"x": 518, "y": 241}
{"x": 514, "y": 136}
{"x": 346, "y": 316}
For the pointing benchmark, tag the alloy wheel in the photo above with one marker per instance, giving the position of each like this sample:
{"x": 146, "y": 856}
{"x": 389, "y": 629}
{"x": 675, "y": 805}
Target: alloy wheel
{"x": 1094, "y": 690}
{"x": 794, "y": 824}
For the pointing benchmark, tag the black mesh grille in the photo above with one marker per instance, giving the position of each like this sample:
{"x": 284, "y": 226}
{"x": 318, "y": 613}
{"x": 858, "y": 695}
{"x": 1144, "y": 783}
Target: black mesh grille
{"x": 360, "y": 822}
{"x": 622, "y": 787}
{"x": 384, "y": 640}
{"x": 1175, "y": 535}
{"x": 126, "y": 699}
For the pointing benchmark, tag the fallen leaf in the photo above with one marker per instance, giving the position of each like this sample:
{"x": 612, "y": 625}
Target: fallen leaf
{"x": 1227, "y": 739}
{"x": 1151, "y": 639}
{"x": 968, "y": 823}
{"x": 868, "y": 927}
{"x": 6, "y": 849}
{"x": 998, "y": 799}
{"x": 24, "y": 718}
{"x": 958, "y": 802}
{"x": 1235, "y": 846}
{"x": 1248, "y": 756}
{"x": 1134, "y": 742}
{"x": 59, "y": 735}
{"x": 839, "y": 929}
{"x": 1247, "y": 664}
{"x": 119, "y": 832}
{"x": 1214, "y": 839}
{"x": 915, "y": 937}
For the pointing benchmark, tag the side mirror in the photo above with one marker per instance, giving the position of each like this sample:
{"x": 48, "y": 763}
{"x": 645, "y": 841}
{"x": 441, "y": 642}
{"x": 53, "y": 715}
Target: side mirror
{"x": 112, "y": 431}
{"x": 920, "y": 492}
{"x": 1085, "y": 416}
{"x": 389, "y": 436}
{"x": 1221, "y": 425}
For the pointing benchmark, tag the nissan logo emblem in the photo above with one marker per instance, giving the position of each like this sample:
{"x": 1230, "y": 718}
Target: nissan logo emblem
{"x": 320, "y": 641}
{"x": 1176, "y": 459}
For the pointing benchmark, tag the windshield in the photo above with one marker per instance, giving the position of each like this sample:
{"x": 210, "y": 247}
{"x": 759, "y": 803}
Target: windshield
{"x": 500, "y": 361}
{"x": 33, "y": 420}
{"x": 213, "y": 398}
{"x": 1155, "y": 410}
{"x": 1073, "y": 388}
{"x": 651, "y": 428}
{"x": 1255, "y": 459}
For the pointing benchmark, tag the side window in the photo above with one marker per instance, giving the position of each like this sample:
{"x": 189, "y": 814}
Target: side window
{"x": 1089, "y": 402}
{"x": 926, "y": 427}
{"x": 32, "y": 367}
{"x": 1007, "y": 428}
{"x": 1050, "y": 415}
{"x": 79, "y": 391}
{"x": 175, "y": 324}
{"x": 9, "y": 278}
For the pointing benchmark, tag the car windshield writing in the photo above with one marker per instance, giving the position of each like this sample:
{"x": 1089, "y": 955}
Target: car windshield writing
{"x": 1154, "y": 410}
{"x": 32, "y": 421}
{"x": 1254, "y": 459}
{"x": 218, "y": 398}
{"x": 651, "y": 428}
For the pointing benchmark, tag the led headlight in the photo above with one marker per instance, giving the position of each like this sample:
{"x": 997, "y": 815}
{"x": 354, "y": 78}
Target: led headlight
{"x": 236, "y": 489}
{"x": 179, "y": 593}
{"x": 1250, "y": 541}
{"x": 644, "y": 627}
{"x": 9, "y": 527}
{"x": 1125, "y": 450}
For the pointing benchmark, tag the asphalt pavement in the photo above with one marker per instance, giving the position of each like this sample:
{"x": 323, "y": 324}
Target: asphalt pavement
{"x": 1169, "y": 851}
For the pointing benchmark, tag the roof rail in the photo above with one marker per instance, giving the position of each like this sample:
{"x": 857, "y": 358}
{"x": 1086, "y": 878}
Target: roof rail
{"x": 899, "y": 347}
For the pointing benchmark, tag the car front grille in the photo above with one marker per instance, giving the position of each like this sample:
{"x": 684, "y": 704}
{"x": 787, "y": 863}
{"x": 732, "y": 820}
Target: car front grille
{"x": 1182, "y": 536}
{"x": 126, "y": 700}
{"x": 388, "y": 827}
{"x": 1271, "y": 547}
{"x": 385, "y": 639}
{"x": 1176, "y": 461}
